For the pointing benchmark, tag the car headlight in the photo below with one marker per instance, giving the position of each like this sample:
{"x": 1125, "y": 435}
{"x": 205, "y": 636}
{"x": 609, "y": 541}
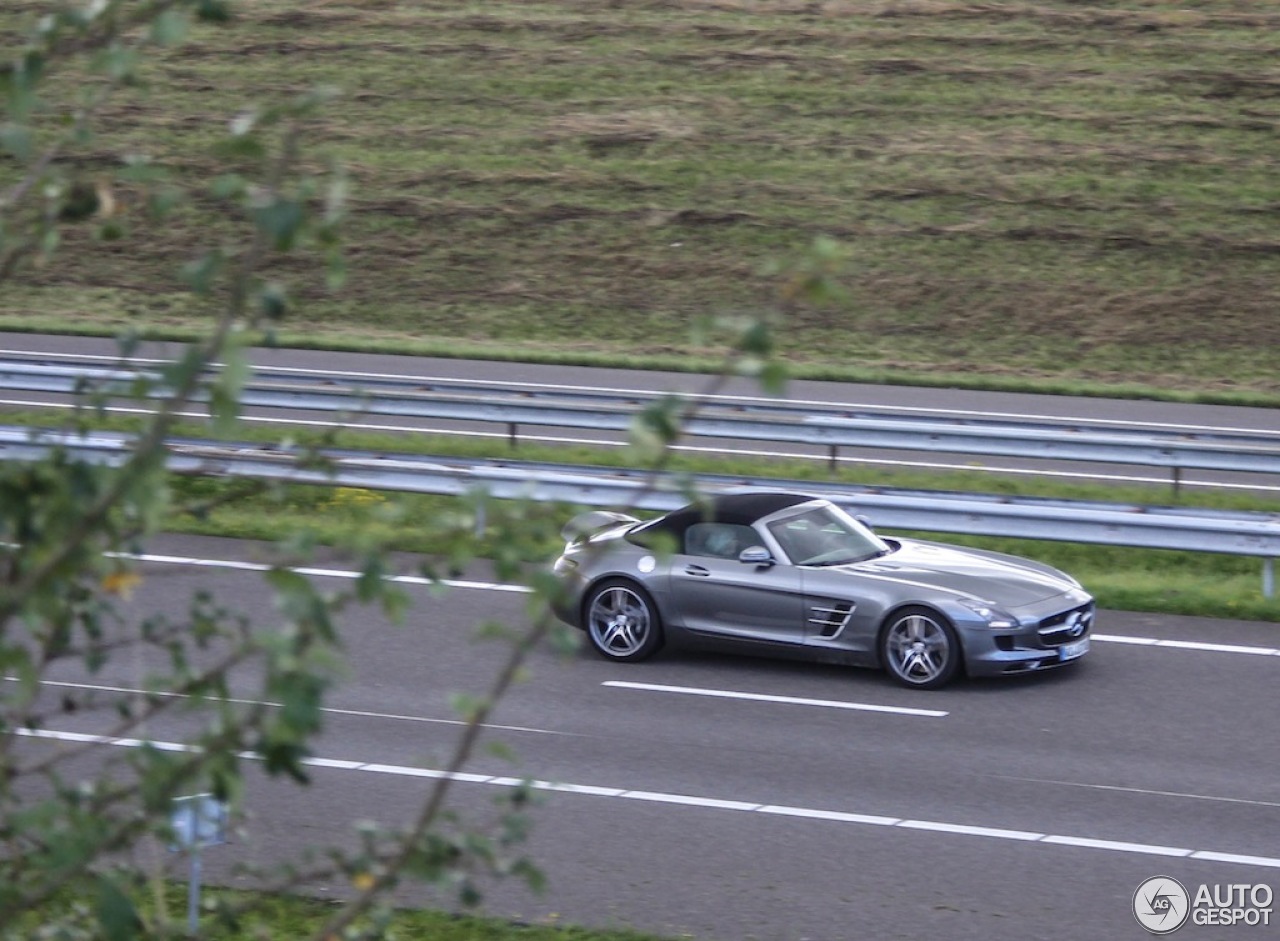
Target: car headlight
{"x": 995, "y": 616}
{"x": 564, "y": 565}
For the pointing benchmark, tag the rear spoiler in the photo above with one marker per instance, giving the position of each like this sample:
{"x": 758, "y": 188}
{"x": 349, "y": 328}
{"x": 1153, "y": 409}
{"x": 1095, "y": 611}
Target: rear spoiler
{"x": 588, "y": 524}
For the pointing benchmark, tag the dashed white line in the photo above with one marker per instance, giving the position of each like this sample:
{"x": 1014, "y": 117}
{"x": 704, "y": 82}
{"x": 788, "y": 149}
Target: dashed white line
{"x": 1120, "y": 846}
{"x": 331, "y": 710}
{"x": 767, "y": 697}
{"x": 838, "y": 816}
{"x": 322, "y": 572}
{"x": 711, "y": 803}
{"x": 996, "y": 832}
{"x": 1151, "y": 792}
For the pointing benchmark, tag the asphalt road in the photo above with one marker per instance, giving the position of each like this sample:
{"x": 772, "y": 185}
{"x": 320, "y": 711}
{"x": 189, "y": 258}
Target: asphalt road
{"x": 1024, "y": 808}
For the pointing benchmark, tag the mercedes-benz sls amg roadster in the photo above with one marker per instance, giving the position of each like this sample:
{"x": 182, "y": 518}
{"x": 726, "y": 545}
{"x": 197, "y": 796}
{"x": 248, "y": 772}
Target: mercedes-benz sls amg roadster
{"x": 799, "y": 576}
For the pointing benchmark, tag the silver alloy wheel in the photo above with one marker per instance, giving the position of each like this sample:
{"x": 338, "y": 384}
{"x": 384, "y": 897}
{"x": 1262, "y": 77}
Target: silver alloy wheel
{"x": 620, "y": 622}
{"x": 919, "y": 649}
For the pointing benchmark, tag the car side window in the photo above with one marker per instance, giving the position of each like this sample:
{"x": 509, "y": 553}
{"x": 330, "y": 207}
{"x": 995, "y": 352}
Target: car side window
{"x": 718, "y": 540}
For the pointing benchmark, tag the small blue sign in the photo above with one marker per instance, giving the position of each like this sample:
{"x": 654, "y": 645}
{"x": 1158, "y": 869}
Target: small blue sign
{"x": 198, "y": 820}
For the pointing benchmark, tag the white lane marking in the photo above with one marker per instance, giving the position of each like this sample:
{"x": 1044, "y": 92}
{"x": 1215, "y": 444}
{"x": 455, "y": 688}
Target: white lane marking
{"x": 335, "y": 763}
{"x": 809, "y": 813}
{"x": 1233, "y": 858}
{"x": 320, "y": 572}
{"x": 1187, "y": 645}
{"x": 1141, "y": 790}
{"x": 766, "y": 697}
{"x": 1120, "y": 846}
{"x": 996, "y": 832}
{"x": 658, "y": 797}
{"x": 526, "y": 435}
{"x": 711, "y": 803}
{"x": 332, "y": 710}
{"x": 613, "y": 390}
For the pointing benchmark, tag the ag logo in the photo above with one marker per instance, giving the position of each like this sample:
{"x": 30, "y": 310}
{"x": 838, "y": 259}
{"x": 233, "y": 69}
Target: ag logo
{"x": 1161, "y": 905}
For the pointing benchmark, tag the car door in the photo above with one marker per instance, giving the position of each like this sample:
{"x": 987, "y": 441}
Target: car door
{"x": 715, "y": 594}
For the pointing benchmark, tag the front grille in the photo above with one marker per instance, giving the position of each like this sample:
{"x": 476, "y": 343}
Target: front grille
{"x": 1063, "y": 628}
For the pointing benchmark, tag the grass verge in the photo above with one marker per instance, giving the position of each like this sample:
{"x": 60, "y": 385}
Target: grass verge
{"x": 280, "y": 917}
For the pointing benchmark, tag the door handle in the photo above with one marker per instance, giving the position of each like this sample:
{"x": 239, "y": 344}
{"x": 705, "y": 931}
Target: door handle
{"x": 696, "y": 570}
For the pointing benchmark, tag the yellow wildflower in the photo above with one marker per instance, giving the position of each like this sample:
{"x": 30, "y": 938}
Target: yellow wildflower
{"x": 121, "y": 583}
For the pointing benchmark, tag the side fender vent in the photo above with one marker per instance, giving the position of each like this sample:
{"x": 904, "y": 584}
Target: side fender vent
{"x": 827, "y": 619}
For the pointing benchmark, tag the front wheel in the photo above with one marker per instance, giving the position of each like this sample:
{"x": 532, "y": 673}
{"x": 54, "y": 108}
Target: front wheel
{"x": 622, "y": 621}
{"x": 920, "y": 648}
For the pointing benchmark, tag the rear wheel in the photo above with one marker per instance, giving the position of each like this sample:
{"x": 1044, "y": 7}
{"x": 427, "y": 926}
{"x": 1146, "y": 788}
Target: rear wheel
{"x": 920, "y": 649}
{"x": 622, "y": 621}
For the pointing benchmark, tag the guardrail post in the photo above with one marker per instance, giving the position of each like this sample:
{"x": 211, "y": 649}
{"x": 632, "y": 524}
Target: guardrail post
{"x": 1177, "y": 481}
{"x": 1268, "y": 578}
{"x": 511, "y": 435}
{"x": 833, "y": 458}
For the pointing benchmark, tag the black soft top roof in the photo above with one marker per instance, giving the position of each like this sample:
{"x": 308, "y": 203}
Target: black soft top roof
{"x": 742, "y": 508}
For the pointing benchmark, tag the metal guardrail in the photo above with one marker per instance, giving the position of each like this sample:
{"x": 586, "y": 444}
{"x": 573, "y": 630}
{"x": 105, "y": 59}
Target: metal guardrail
{"x": 760, "y": 420}
{"x": 1198, "y": 530}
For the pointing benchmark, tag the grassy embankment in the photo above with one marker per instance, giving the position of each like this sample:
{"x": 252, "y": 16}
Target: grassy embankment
{"x": 1059, "y": 195}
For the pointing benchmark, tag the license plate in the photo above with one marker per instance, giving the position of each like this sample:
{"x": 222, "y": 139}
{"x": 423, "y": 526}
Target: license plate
{"x": 1077, "y": 648}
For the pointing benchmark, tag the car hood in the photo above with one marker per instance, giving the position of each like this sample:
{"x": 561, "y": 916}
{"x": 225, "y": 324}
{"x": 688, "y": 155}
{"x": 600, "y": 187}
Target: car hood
{"x": 994, "y": 577}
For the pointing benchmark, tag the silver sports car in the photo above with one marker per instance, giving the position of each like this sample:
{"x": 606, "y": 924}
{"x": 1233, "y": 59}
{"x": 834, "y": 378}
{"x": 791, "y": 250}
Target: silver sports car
{"x": 797, "y": 575}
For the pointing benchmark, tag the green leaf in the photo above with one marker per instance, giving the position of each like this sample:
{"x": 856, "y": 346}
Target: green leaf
{"x": 335, "y": 272}
{"x": 467, "y": 707}
{"x": 213, "y": 11}
{"x": 501, "y": 750}
{"x": 228, "y": 186}
{"x": 116, "y": 913}
{"x": 16, "y": 140}
{"x": 655, "y": 428}
{"x": 117, "y": 63}
{"x": 49, "y": 242}
{"x": 111, "y": 231}
{"x": 169, "y": 28}
{"x": 273, "y": 301}
{"x": 226, "y": 390}
{"x": 163, "y": 201}
{"x": 756, "y": 339}
{"x": 199, "y": 274}
{"x": 81, "y": 202}
{"x": 281, "y": 222}
{"x": 139, "y": 168}
{"x": 773, "y": 377}
{"x": 246, "y": 145}
{"x": 336, "y": 196}
{"x": 284, "y": 758}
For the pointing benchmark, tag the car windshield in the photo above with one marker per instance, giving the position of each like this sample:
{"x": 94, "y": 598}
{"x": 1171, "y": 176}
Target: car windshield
{"x": 826, "y": 535}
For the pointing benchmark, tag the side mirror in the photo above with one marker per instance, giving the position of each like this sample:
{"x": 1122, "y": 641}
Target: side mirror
{"x": 756, "y": 555}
